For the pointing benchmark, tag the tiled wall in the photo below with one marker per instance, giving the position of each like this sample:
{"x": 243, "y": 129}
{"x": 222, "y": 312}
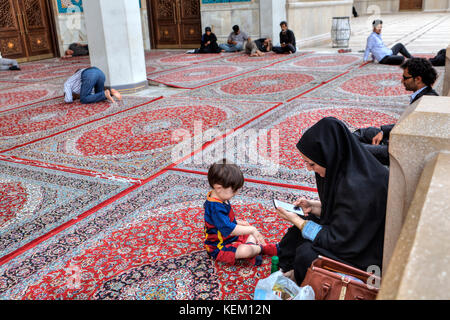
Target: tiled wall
{"x": 222, "y": 15}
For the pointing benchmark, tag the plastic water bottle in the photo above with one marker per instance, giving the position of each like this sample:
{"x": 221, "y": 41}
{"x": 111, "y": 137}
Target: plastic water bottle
{"x": 275, "y": 266}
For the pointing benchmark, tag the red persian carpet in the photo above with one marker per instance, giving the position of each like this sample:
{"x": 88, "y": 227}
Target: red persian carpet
{"x": 99, "y": 202}
{"x": 147, "y": 245}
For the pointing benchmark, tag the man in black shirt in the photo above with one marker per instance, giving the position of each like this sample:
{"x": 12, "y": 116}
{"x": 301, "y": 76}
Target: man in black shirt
{"x": 418, "y": 77}
{"x": 287, "y": 40}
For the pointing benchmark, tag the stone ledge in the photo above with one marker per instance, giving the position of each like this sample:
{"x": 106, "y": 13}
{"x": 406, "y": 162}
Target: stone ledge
{"x": 420, "y": 265}
{"x": 446, "y": 88}
{"x": 423, "y": 130}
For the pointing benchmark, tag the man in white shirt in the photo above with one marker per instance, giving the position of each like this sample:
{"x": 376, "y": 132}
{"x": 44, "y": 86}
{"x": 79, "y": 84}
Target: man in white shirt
{"x": 8, "y": 64}
{"x": 380, "y": 52}
{"x": 88, "y": 85}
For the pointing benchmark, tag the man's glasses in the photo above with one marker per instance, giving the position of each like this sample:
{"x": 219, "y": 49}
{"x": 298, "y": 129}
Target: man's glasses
{"x": 406, "y": 78}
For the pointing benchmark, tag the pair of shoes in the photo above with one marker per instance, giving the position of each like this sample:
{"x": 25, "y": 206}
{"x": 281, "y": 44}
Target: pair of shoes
{"x": 14, "y": 68}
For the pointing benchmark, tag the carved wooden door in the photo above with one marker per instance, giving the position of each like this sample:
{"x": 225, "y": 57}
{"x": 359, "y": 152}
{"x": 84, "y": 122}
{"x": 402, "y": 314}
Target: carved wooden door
{"x": 176, "y": 23}
{"x": 410, "y": 4}
{"x": 24, "y": 30}
{"x": 12, "y": 43}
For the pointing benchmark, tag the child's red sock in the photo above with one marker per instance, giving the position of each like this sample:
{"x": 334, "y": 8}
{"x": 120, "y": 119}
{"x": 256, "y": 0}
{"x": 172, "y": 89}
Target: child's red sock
{"x": 269, "y": 249}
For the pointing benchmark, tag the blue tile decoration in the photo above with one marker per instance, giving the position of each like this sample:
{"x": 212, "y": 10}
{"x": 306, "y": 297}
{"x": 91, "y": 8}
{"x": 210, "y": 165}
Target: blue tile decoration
{"x": 223, "y": 1}
{"x": 70, "y": 6}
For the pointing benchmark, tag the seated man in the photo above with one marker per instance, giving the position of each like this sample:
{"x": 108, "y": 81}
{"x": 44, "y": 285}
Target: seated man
{"x": 208, "y": 43}
{"x": 88, "y": 85}
{"x": 8, "y": 64}
{"x": 76, "y": 50}
{"x": 380, "y": 52}
{"x": 235, "y": 41}
{"x": 287, "y": 40}
{"x": 418, "y": 76}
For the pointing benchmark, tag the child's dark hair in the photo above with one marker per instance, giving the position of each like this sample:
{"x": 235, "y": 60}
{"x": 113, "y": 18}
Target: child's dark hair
{"x": 225, "y": 174}
{"x": 421, "y": 67}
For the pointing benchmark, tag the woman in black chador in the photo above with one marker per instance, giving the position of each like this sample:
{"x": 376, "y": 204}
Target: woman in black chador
{"x": 209, "y": 43}
{"x": 347, "y": 224}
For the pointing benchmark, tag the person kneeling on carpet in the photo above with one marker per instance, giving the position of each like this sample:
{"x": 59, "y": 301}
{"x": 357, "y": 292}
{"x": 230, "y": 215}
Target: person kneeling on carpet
{"x": 228, "y": 238}
{"x": 89, "y": 86}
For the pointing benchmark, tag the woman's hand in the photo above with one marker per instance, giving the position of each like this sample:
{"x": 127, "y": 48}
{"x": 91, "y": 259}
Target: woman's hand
{"x": 309, "y": 206}
{"x": 290, "y": 217}
{"x": 305, "y": 204}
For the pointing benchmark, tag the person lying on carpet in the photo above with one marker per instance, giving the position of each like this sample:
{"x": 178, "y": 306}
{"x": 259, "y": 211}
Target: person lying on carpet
{"x": 89, "y": 86}
{"x": 380, "y": 52}
{"x": 418, "y": 77}
{"x": 227, "y": 238}
{"x": 208, "y": 43}
{"x": 76, "y": 50}
{"x": 260, "y": 46}
{"x": 235, "y": 41}
{"x": 264, "y": 44}
{"x": 252, "y": 49}
{"x": 287, "y": 40}
{"x": 347, "y": 224}
{"x": 8, "y": 64}
{"x": 439, "y": 59}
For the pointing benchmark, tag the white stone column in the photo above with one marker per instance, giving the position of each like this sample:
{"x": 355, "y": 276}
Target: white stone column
{"x": 114, "y": 33}
{"x": 272, "y": 12}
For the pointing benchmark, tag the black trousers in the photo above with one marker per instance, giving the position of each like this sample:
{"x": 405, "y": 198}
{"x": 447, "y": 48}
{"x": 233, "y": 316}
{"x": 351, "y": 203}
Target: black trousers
{"x": 394, "y": 59}
{"x": 439, "y": 59}
{"x": 296, "y": 253}
{"x": 365, "y": 136}
{"x": 284, "y": 49}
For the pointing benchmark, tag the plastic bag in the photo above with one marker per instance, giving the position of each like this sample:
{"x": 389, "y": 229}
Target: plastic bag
{"x": 279, "y": 287}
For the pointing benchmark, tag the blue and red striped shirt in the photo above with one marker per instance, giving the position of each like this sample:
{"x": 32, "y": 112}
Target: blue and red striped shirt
{"x": 220, "y": 222}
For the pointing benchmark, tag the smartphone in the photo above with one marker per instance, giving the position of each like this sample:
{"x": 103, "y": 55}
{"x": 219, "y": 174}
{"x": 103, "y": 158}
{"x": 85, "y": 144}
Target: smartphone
{"x": 288, "y": 207}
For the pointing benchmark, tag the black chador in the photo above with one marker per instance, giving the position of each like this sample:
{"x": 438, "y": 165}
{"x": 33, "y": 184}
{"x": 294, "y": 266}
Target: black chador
{"x": 353, "y": 194}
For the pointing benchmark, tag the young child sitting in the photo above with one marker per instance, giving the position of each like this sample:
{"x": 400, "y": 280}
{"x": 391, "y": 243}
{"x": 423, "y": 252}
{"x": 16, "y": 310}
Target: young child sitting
{"x": 228, "y": 238}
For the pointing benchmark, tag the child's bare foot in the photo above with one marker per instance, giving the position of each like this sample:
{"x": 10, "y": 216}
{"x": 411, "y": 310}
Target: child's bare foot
{"x": 108, "y": 96}
{"x": 116, "y": 94}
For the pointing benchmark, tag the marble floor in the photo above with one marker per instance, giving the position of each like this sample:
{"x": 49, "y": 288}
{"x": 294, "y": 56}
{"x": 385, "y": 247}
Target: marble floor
{"x": 420, "y": 32}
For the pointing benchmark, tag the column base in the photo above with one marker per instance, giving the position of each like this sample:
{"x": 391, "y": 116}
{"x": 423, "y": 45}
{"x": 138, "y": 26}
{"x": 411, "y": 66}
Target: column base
{"x": 130, "y": 88}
